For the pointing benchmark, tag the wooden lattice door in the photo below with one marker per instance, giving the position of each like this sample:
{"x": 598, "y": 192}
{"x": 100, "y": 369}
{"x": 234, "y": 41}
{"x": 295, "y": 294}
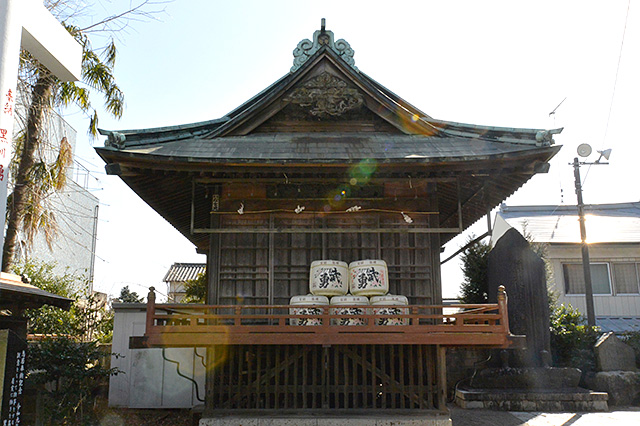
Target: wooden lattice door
{"x": 316, "y": 377}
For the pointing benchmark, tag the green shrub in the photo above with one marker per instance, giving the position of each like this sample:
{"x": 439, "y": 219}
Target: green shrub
{"x": 572, "y": 340}
{"x": 87, "y": 319}
{"x": 71, "y": 372}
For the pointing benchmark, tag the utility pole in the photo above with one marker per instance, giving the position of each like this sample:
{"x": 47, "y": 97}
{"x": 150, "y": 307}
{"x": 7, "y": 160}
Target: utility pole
{"x": 586, "y": 265}
{"x": 584, "y": 150}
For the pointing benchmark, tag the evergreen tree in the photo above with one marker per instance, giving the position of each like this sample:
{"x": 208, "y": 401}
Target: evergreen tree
{"x": 128, "y": 296}
{"x": 475, "y": 263}
{"x": 196, "y": 289}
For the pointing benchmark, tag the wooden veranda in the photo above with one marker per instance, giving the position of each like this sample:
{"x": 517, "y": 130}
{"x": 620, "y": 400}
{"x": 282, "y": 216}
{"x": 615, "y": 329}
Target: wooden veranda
{"x": 261, "y": 359}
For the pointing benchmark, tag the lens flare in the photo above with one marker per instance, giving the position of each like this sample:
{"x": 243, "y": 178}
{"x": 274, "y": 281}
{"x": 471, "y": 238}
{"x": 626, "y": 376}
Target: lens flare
{"x": 363, "y": 171}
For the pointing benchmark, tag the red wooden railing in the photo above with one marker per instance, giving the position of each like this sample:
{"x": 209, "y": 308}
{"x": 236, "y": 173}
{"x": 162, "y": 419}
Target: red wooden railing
{"x": 189, "y": 325}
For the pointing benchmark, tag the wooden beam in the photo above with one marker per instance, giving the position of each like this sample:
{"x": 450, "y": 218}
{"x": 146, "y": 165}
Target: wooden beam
{"x": 326, "y": 230}
{"x": 188, "y": 340}
{"x": 320, "y": 178}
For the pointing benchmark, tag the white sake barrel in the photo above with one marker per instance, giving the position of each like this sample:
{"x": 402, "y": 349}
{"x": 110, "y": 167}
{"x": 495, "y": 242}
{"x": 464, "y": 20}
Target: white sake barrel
{"x": 307, "y": 305}
{"x": 329, "y": 278}
{"x": 391, "y": 305}
{"x": 348, "y": 301}
{"x": 368, "y": 278}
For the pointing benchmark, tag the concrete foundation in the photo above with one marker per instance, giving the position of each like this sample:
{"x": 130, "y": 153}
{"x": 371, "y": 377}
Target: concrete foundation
{"x": 361, "y": 418}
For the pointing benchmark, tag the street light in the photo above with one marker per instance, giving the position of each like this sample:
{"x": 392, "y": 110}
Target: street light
{"x": 584, "y": 150}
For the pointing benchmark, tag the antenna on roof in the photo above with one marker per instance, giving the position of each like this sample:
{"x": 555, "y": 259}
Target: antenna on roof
{"x": 323, "y": 23}
{"x": 554, "y": 110}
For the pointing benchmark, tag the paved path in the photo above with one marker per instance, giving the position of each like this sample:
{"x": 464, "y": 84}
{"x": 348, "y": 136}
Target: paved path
{"x": 627, "y": 416}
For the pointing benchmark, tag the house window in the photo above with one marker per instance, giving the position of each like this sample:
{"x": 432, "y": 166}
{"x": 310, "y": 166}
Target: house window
{"x": 625, "y": 277}
{"x": 574, "y": 278}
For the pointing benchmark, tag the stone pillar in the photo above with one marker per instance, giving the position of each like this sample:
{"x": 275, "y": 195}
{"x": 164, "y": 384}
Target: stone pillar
{"x": 513, "y": 264}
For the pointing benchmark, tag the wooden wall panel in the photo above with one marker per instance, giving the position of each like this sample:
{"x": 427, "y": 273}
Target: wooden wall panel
{"x": 314, "y": 377}
{"x": 271, "y": 268}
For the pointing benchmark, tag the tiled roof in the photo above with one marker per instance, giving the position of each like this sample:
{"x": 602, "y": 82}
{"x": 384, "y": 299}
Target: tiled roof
{"x": 15, "y": 292}
{"x": 184, "y": 271}
{"x": 605, "y": 223}
{"x": 332, "y": 147}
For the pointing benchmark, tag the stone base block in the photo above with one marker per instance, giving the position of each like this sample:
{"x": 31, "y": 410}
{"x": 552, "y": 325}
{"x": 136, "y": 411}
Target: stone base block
{"x": 533, "y": 378}
{"x": 572, "y": 400}
{"x": 361, "y": 418}
{"x": 623, "y": 387}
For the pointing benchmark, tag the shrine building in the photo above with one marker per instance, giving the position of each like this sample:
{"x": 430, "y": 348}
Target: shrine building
{"x": 324, "y": 164}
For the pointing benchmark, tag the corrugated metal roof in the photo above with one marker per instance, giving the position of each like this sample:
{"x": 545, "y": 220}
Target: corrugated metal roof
{"x": 618, "y": 324}
{"x": 184, "y": 271}
{"x": 606, "y": 223}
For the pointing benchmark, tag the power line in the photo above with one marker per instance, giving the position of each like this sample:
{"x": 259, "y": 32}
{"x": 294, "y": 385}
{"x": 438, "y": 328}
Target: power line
{"x": 613, "y": 93}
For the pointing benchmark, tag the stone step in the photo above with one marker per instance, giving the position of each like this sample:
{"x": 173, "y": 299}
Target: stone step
{"x": 556, "y": 400}
{"x": 360, "y": 418}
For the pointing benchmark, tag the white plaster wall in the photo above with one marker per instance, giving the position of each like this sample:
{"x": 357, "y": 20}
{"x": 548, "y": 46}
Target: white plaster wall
{"x": 148, "y": 380}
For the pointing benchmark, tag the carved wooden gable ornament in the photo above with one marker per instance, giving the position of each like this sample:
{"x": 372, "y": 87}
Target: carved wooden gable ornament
{"x": 326, "y": 95}
{"x": 306, "y": 48}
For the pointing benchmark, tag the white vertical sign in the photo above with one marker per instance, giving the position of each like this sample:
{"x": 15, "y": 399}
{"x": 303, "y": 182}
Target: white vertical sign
{"x": 28, "y": 24}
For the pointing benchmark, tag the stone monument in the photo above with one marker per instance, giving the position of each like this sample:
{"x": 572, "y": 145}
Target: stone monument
{"x": 617, "y": 371}
{"x": 612, "y": 354}
{"x": 524, "y": 381}
{"x": 513, "y": 264}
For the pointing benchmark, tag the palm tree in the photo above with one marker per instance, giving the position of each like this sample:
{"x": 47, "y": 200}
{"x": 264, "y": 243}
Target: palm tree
{"x": 34, "y": 177}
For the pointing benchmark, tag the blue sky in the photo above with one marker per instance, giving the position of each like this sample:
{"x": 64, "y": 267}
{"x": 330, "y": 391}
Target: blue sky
{"x": 497, "y": 63}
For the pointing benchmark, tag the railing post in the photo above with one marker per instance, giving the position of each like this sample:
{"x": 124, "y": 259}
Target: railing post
{"x": 502, "y": 308}
{"x": 238, "y": 313}
{"x": 326, "y": 322}
{"x": 151, "y": 310}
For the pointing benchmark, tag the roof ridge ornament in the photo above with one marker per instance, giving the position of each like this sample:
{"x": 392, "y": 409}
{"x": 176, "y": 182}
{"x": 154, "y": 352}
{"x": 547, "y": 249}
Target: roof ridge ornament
{"x": 306, "y": 48}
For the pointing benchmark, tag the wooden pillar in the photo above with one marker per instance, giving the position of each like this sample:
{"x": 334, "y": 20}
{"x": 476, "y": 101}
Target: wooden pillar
{"x": 151, "y": 311}
{"x": 213, "y": 264}
{"x": 209, "y": 404}
{"x": 441, "y": 372}
{"x": 213, "y": 267}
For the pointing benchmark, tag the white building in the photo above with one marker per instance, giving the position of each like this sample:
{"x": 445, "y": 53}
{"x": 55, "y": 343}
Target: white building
{"x": 177, "y": 276}
{"x": 613, "y": 234}
{"x": 152, "y": 378}
{"x": 75, "y": 210}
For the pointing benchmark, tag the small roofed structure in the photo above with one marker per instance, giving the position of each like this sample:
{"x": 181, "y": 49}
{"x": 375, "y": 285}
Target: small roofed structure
{"x": 16, "y": 296}
{"x": 176, "y": 277}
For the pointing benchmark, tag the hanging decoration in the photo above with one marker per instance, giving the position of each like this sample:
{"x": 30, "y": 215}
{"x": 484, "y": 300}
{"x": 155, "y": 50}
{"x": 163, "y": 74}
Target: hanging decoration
{"x": 302, "y": 209}
{"x": 406, "y": 217}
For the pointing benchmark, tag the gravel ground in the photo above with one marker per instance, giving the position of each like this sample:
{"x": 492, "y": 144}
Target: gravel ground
{"x": 627, "y": 416}
{"x": 131, "y": 417}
